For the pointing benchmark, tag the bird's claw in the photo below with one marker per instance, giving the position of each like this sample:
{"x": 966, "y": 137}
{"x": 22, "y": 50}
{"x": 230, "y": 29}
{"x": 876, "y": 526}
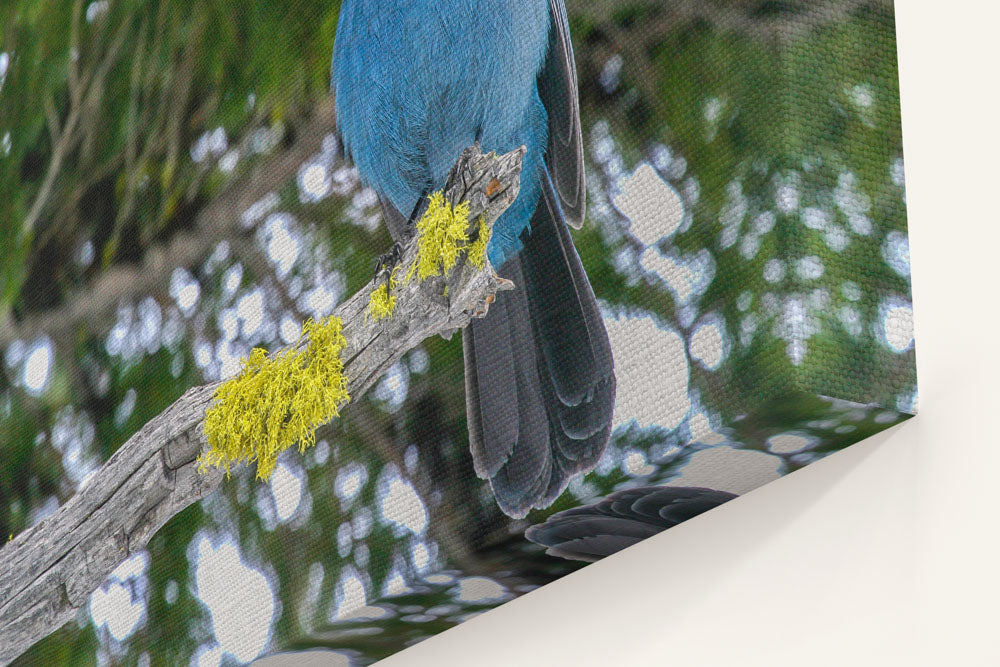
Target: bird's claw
{"x": 482, "y": 311}
{"x": 503, "y": 285}
{"x": 387, "y": 263}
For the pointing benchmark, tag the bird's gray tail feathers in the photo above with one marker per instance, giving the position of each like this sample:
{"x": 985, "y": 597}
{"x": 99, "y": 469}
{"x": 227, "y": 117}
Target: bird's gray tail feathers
{"x": 539, "y": 377}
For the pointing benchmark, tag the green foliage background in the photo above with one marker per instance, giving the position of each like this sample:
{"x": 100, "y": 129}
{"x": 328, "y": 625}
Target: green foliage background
{"x": 124, "y": 124}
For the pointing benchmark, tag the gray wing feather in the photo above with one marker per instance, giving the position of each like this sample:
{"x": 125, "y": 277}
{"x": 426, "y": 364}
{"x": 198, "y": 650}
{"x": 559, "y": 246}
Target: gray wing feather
{"x": 498, "y": 410}
{"x": 557, "y": 87}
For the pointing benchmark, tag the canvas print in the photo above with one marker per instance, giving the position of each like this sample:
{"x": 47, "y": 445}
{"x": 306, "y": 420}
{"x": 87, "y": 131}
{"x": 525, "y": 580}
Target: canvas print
{"x": 332, "y": 324}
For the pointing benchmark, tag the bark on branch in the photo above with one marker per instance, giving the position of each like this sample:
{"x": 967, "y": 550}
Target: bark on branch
{"x": 49, "y": 571}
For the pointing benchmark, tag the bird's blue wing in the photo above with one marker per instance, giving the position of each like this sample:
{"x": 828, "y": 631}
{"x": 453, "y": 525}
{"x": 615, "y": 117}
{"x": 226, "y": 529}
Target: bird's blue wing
{"x": 558, "y": 89}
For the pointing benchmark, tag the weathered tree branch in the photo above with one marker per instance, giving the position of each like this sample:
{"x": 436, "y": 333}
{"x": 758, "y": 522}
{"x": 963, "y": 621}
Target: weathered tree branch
{"x": 49, "y": 571}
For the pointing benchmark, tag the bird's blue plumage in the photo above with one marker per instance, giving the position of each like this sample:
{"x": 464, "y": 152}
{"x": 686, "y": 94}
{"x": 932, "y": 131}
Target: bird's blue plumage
{"x": 417, "y": 82}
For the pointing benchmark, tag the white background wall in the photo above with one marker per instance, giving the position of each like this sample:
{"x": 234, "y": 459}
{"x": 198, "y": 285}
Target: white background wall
{"x": 885, "y": 554}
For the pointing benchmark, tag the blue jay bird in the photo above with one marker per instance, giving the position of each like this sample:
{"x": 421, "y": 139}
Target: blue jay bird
{"x": 417, "y": 82}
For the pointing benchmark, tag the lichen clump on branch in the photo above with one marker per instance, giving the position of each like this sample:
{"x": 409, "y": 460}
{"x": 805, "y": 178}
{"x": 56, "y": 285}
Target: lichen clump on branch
{"x": 442, "y": 234}
{"x": 274, "y": 403}
{"x": 477, "y": 251}
{"x": 442, "y": 237}
{"x": 382, "y": 302}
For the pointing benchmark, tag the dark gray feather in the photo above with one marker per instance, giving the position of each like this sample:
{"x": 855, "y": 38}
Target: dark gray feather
{"x": 557, "y": 86}
{"x": 562, "y": 303}
{"x": 498, "y": 408}
{"x": 496, "y": 369}
{"x": 540, "y": 384}
{"x": 526, "y": 475}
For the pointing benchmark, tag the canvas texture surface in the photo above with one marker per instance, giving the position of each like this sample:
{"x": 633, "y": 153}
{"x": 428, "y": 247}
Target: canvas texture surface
{"x": 287, "y": 368}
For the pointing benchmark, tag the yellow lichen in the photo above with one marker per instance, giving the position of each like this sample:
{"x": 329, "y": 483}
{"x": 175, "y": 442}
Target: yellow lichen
{"x": 382, "y": 302}
{"x": 274, "y": 403}
{"x": 477, "y": 251}
{"x": 442, "y": 235}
